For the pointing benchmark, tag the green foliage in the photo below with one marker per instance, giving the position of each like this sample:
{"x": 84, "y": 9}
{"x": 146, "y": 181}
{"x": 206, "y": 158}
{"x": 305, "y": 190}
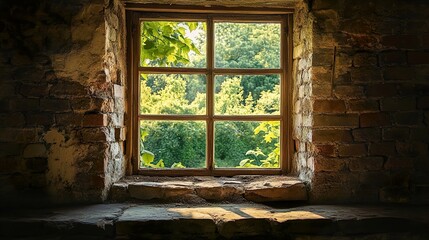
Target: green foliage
{"x": 182, "y": 144}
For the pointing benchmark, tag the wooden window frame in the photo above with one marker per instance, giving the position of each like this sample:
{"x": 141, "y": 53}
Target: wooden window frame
{"x": 135, "y": 13}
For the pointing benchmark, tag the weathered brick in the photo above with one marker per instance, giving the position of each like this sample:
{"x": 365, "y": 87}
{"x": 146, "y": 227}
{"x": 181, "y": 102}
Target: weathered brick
{"x": 381, "y": 90}
{"x": 399, "y": 163}
{"x": 396, "y": 133}
{"x": 97, "y": 135}
{"x": 382, "y": 149}
{"x": 401, "y": 41}
{"x": 339, "y": 120}
{"x": 322, "y": 90}
{"x": 323, "y": 57}
{"x": 37, "y": 150}
{"x": 348, "y": 92}
{"x": 365, "y": 59}
{"x": 10, "y": 149}
{"x": 363, "y": 105}
{"x": 368, "y": 75}
{"x": 393, "y": 58}
{"x": 327, "y": 150}
{"x": 408, "y": 118}
{"x": 24, "y": 104}
{"x": 366, "y": 164}
{"x": 68, "y": 119}
{"x": 399, "y": 73}
{"x": 35, "y": 91}
{"x": 423, "y": 102}
{"x": 332, "y": 136}
{"x": 64, "y": 89}
{"x": 352, "y": 150}
{"x": 420, "y": 134}
{"x": 39, "y": 119}
{"x": 95, "y": 120}
{"x": 55, "y": 105}
{"x": 374, "y": 119}
{"x": 398, "y": 104}
{"x": 366, "y": 134}
{"x": 412, "y": 149}
{"x": 329, "y": 164}
{"x": 19, "y": 135}
{"x": 415, "y": 58}
{"x": 329, "y": 106}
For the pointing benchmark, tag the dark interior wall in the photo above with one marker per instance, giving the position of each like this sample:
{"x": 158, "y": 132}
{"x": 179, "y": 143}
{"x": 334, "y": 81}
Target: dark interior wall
{"x": 370, "y": 93}
{"x": 360, "y": 98}
{"x": 62, "y": 99}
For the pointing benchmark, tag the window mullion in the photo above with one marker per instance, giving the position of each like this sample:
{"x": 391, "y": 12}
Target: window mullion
{"x": 210, "y": 94}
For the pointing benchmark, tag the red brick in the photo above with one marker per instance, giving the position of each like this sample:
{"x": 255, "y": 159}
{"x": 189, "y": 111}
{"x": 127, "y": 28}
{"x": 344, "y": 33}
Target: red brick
{"x": 338, "y": 120}
{"x": 366, "y": 134}
{"x": 401, "y": 41}
{"x": 381, "y": 90}
{"x": 348, "y": 92}
{"x": 393, "y": 58}
{"x": 415, "y": 58}
{"x": 423, "y": 102}
{"x": 399, "y": 163}
{"x": 95, "y": 120}
{"x": 398, "y": 104}
{"x": 399, "y": 73}
{"x": 352, "y": 150}
{"x": 412, "y": 149}
{"x": 364, "y": 105}
{"x": 382, "y": 149}
{"x": 366, "y": 164}
{"x": 68, "y": 119}
{"x": 374, "y": 119}
{"x": 332, "y": 136}
{"x": 329, "y": 106}
{"x": 89, "y": 135}
{"x": 364, "y": 59}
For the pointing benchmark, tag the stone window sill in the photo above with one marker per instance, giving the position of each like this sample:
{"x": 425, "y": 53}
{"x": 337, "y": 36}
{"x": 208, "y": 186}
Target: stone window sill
{"x": 200, "y": 189}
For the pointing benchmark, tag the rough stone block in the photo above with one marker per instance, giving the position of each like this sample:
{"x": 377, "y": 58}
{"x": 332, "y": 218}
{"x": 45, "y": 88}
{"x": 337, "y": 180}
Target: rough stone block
{"x": 97, "y": 135}
{"x": 329, "y": 106}
{"x": 339, "y": 120}
{"x": 374, "y": 119}
{"x": 275, "y": 191}
{"x": 147, "y": 191}
{"x": 65, "y": 89}
{"x": 332, "y": 135}
{"x": 352, "y": 150}
{"x": 215, "y": 191}
{"x": 366, "y": 164}
{"x": 95, "y": 120}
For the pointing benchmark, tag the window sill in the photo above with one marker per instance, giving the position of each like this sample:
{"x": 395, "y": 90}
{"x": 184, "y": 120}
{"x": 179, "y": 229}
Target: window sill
{"x": 209, "y": 189}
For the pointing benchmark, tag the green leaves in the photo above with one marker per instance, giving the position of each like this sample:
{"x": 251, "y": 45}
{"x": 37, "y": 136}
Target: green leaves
{"x": 147, "y": 157}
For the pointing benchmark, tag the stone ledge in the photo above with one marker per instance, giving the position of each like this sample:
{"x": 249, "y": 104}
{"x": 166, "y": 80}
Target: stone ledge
{"x": 216, "y": 221}
{"x": 202, "y": 189}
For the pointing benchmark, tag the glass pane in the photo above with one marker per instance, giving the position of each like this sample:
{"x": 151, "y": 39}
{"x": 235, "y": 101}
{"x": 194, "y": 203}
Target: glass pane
{"x": 247, "y": 45}
{"x": 173, "y": 44}
{"x": 172, "y": 144}
{"x": 247, "y": 144}
{"x": 247, "y": 94}
{"x": 172, "y": 94}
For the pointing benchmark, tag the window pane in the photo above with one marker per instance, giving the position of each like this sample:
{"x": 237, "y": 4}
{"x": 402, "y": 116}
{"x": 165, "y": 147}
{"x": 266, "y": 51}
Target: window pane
{"x": 247, "y": 45}
{"x": 247, "y": 144}
{"x": 173, "y": 44}
{"x": 172, "y": 144}
{"x": 247, "y": 94}
{"x": 172, "y": 94}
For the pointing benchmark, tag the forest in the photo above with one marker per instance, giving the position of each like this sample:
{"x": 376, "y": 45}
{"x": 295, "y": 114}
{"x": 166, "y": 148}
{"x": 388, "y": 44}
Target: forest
{"x": 182, "y": 144}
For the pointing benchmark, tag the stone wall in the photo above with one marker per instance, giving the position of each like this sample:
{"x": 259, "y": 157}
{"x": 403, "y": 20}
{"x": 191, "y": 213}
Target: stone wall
{"x": 62, "y": 101}
{"x": 360, "y": 98}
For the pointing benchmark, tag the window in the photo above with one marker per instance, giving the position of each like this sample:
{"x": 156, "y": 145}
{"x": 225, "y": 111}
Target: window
{"x": 209, "y": 92}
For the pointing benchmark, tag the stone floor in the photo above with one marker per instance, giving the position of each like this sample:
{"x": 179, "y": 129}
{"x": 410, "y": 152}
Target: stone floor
{"x": 204, "y": 189}
{"x": 217, "y": 221}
